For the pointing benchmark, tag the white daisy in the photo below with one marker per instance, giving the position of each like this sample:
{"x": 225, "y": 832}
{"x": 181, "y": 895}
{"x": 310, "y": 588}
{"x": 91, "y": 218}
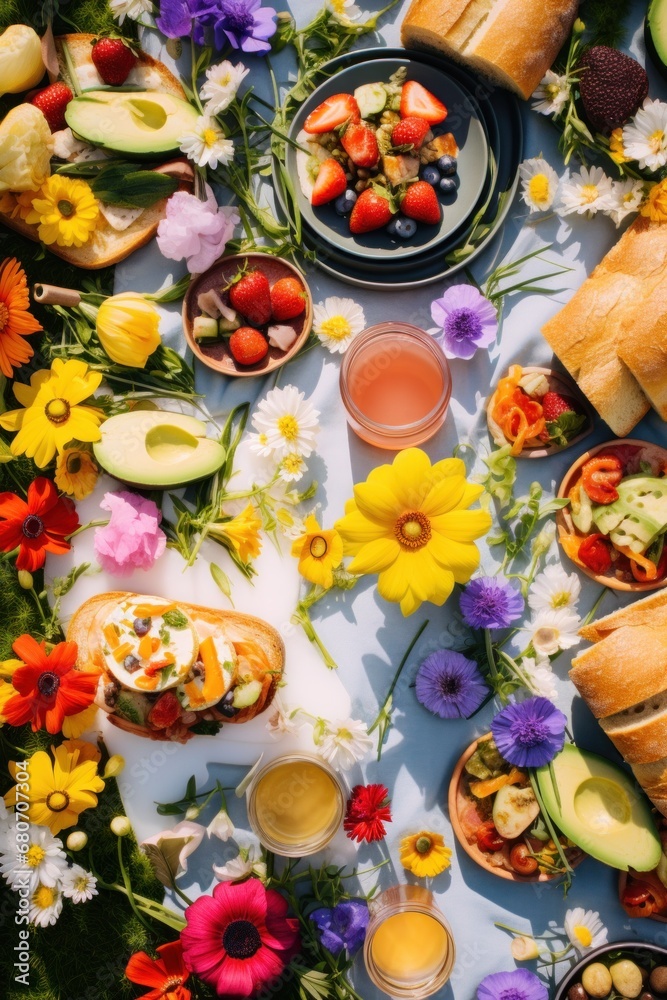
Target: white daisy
{"x": 44, "y": 861}
{"x": 292, "y": 467}
{"x": 584, "y": 929}
{"x": 626, "y": 198}
{"x": 553, "y": 589}
{"x": 46, "y": 904}
{"x": 540, "y": 677}
{"x": 586, "y": 192}
{"x": 79, "y": 885}
{"x": 207, "y": 145}
{"x": 344, "y": 11}
{"x": 552, "y": 94}
{"x": 337, "y": 322}
{"x": 344, "y": 742}
{"x": 134, "y": 9}
{"x": 222, "y": 83}
{"x": 290, "y": 524}
{"x": 282, "y": 722}
{"x": 539, "y": 184}
{"x": 645, "y": 135}
{"x": 247, "y": 862}
{"x": 551, "y": 631}
{"x": 286, "y": 424}
{"x": 220, "y": 826}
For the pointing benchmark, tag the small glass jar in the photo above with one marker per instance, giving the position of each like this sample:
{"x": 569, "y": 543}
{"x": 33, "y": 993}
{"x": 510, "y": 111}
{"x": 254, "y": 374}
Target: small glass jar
{"x": 296, "y": 804}
{"x": 395, "y": 384}
{"x": 409, "y": 949}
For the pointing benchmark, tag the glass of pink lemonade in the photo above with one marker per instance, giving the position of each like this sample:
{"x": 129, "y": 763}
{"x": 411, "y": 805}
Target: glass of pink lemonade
{"x": 395, "y": 384}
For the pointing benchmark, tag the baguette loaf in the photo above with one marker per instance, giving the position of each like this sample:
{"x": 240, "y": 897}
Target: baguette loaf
{"x": 513, "y": 42}
{"x": 639, "y": 733}
{"x": 651, "y": 610}
{"x": 643, "y": 347}
{"x": 616, "y": 673}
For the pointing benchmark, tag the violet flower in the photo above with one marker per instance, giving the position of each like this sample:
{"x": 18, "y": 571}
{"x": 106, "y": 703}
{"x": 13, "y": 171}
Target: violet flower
{"x": 520, "y": 984}
{"x": 467, "y": 321}
{"x": 529, "y": 734}
{"x": 450, "y": 685}
{"x": 490, "y": 603}
{"x": 175, "y": 18}
{"x": 132, "y": 539}
{"x": 343, "y": 927}
{"x": 195, "y": 230}
{"x": 243, "y": 24}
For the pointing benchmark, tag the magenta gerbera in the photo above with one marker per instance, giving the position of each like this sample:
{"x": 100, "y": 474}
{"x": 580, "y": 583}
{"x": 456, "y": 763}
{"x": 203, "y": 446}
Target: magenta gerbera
{"x": 239, "y": 938}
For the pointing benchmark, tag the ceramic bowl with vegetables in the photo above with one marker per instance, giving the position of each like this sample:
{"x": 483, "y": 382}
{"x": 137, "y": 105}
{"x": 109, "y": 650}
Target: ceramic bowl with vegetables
{"x": 497, "y": 819}
{"x": 644, "y": 894}
{"x": 622, "y": 970}
{"x": 615, "y": 524}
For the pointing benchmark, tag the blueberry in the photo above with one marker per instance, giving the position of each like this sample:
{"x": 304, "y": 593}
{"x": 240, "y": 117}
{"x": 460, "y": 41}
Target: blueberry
{"x": 447, "y": 165}
{"x": 345, "y": 203}
{"x": 447, "y": 185}
{"x": 131, "y": 663}
{"x": 405, "y": 228}
{"x": 431, "y": 175}
{"x": 391, "y": 226}
{"x": 141, "y": 626}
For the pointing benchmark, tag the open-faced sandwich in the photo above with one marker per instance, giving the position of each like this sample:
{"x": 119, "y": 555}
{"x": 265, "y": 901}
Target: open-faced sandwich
{"x": 171, "y": 670}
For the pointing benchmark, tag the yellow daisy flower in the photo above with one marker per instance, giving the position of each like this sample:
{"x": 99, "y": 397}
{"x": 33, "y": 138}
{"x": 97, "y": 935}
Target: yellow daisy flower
{"x": 52, "y": 417}
{"x": 17, "y": 206}
{"x": 424, "y": 854}
{"x": 655, "y": 207}
{"x": 60, "y": 789}
{"x": 319, "y": 553}
{"x": 7, "y": 689}
{"x": 241, "y": 534}
{"x": 410, "y": 523}
{"x": 616, "y": 148}
{"x": 76, "y": 472}
{"x": 74, "y": 725}
{"x": 65, "y": 210}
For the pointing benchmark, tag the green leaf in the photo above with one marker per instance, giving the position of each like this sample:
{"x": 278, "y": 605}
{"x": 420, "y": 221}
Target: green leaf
{"x": 5, "y": 453}
{"x": 191, "y": 787}
{"x": 566, "y": 427}
{"x": 223, "y": 581}
{"x": 122, "y": 184}
{"x": 501, "y": 477}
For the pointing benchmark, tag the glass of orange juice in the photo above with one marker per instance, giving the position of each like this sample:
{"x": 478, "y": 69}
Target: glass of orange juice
{"x": 296, "y": 804}
{"x": 395, "y": 384}
{"x": 409, "y": 948}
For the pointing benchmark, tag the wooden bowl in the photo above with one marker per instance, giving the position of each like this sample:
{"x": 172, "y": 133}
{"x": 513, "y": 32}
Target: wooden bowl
{"x": 558, "y": 382}
{"x": 217, "y": 355}
{"x": 566, "y": 526}
{"x": 472, "y": 850}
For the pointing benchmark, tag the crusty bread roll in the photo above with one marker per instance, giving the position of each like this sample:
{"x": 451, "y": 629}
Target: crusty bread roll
{"x": 643, "y": 347}
{"x": 639, "y": 733}
{"x": 616, "y": 673}
{"x": 651, "y": 610}
{"x": 513, "y": 42}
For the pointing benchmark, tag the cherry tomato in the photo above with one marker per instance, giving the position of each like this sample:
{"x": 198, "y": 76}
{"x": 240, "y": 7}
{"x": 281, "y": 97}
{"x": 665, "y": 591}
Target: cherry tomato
{"x": 594, "y": 552}
{"x": 600, "y": 476}
{"x": 522, "y": 861}
{"x": 488, "y": 838}
{"x": 637, "y": 900}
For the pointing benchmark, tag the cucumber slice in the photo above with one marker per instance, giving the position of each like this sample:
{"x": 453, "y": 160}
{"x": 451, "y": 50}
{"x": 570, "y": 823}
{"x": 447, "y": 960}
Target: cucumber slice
{"x": 582, "y": 517}
{"x": 205, "y": 328}
{"x": 371, "y": 98}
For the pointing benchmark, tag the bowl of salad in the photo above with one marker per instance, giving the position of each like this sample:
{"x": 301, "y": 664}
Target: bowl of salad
{"x": 620, "y": 970}
{"x": 497, "y": 820}
{"x": 644, "y": 894}
{"x": 614, "y": 526}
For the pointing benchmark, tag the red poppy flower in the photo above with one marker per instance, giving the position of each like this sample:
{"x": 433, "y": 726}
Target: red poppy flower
{"x": 239, "y": 938}
{"x": 367, "y": 811}
{"x": 38, "y": 526}
{"x": 47, "y": 685}
{"x": 165, "y": 974}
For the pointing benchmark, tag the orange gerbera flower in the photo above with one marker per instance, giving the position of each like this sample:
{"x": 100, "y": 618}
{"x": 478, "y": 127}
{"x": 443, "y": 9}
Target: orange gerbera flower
{"x": 16, "y": 322}
{"x": 165, "y": 974}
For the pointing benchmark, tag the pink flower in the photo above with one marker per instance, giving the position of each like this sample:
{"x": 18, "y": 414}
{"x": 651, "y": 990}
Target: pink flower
{"x": 132, "y": 539}
{"x": 195, "y": 230}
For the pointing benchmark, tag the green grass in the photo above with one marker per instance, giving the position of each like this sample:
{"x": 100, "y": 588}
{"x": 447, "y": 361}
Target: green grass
{"x": 69, "y": 15}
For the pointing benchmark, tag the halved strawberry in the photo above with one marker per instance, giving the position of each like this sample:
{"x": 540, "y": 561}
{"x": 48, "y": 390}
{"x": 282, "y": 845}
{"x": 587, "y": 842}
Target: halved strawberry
{"x": 410, "y": 132}
{"x": 331, "y": 113}
{"x": 418, "y": 102}
{"x": 360, "y": 144}
{"x": 420, "y": 203}
{"x": 372, "y": 210}
{"x": 329, "y": 183}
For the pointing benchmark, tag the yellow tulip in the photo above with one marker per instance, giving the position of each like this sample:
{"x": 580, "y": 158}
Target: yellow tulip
{"x": 21, "y": 59}
{"x": 128, "y": 328}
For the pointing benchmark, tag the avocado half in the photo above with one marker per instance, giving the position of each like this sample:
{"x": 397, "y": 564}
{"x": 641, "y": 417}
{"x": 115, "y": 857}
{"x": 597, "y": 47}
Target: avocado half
{"x": 136, "y": 123}
{"x": 599, "y": 807}
{"x": 157, "y": 449}
{"x": 655, "y": 34}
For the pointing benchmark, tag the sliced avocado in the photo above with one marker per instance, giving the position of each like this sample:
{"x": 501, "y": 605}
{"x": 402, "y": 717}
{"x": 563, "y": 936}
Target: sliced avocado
{"x": 157, "y": 449}
{"x": 371, "y": 98}
{"x": 655, "y": 34}
{"x": 639, "y": 514}
{"x": 599, "y": 807}
{"x": 133, "y": 706}
{"x": 247, "y": 694}
{"x": 582, "y": 512}
{"x": 145, "y": 123}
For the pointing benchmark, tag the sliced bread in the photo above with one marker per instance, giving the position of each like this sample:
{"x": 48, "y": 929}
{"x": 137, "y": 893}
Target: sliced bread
{"x": 616, "y": 673}
{"x": 640, "y": 733}
{"x": 651, "y": 610}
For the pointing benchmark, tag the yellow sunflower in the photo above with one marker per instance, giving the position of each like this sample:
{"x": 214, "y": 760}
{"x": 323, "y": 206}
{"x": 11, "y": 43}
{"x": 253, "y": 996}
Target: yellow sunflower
{"x": 76, "y": 472}
{"x": 65, "y": 210}
{"x": 52, "y": 416}
{"x": 424, "y": 854}
{"x": 319, "y": 553}
{"x": 241, "y": 533}
{"x": 60, "y": 789}
{"x": 410, "y": 523}
{"x": 655, "y": 207}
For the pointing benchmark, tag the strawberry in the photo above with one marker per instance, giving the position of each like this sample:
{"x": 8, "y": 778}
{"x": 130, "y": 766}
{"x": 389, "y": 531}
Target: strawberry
{"x": 288, "y": 298}
{"x": 410, "y": 132}
{"x": 360, "y": 144}
{"x": 113, "y": 60}
{"x": 554, "y": 406}
{"x": 250, "y": 294}
{"x": 331, "y": 113}
{"x": 165, "y": 712}
{"x": 248, "y": 345}
{"x": 420, "y": 202}
{"x": 418, "y": 102}
{"x": 52, "y": 101}
{"x": 329, "y": 183}
{"x": 372, "y": 210}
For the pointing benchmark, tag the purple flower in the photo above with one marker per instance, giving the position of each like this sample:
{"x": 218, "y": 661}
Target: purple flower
{"x": 449, "y": 685}
{"x": 243, "y": 24}
{"x": 520, "y": 984}
{"x": 490, "y": 603}
{"x": 467, "y": 321}
{"x": 175, "y": 20}
{"x": 343, "y": 927}
{"x": 133, "y": 537}
{"x": 529, "y": 734}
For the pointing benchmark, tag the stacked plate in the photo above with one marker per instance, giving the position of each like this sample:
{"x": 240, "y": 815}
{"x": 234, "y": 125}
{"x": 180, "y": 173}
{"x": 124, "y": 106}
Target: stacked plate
{"x": 486, "y": 123}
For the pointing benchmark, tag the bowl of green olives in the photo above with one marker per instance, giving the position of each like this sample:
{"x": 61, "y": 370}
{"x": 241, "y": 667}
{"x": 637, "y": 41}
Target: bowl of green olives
{"x": 622, "y": 970}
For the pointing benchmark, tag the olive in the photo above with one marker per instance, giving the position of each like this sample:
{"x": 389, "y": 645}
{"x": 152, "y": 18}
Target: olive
{"x": 596, "y": 980}
{"x": 522, "y": 860}
{"x": 627, "y": 978}
{"x": 646, "y": 996}
{"x": 226, "y": 705}
{"x": 577, "y": 992}
{"x": 131, "y": 663}
{"x": 141, "y": 626}
{"x": 658, "y": 979}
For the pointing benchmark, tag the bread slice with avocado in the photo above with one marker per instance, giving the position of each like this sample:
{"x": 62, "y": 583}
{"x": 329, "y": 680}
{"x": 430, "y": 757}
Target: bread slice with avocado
{"x": 170, "y": 670}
